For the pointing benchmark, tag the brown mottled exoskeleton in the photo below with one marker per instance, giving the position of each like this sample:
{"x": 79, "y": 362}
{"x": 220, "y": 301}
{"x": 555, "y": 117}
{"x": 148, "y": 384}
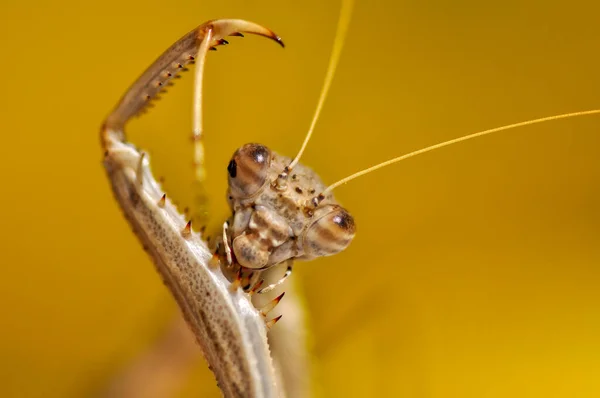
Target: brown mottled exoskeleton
{"x": 278, "y": 215}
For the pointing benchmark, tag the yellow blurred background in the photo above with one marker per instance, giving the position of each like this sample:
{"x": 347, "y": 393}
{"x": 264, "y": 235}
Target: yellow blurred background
{"x": 475, "y": 270}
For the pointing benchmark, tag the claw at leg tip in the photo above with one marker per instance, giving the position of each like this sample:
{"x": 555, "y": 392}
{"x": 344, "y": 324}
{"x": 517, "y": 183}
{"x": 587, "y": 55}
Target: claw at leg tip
{"x": 256, "y": 287}
{"x": 272, "y": 322}
{"x": 271, "y": 305}
{"x": 187, "y": 230}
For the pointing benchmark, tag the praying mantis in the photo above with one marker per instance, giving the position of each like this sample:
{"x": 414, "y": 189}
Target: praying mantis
{"x": 213, "y": 285}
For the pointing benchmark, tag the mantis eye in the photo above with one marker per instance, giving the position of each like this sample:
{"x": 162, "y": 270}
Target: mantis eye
{"x": 248, "y": 170}
{"x": 331, "y": 232}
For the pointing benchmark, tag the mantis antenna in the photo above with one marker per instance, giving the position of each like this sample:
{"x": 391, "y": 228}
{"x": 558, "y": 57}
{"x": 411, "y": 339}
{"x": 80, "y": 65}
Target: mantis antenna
{"x": 448, "y": 143}
{"x": 338, "y": 44}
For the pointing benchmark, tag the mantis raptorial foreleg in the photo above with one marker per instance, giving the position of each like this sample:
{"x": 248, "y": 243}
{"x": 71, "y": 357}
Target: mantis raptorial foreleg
{"x": 228, "y": 328}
